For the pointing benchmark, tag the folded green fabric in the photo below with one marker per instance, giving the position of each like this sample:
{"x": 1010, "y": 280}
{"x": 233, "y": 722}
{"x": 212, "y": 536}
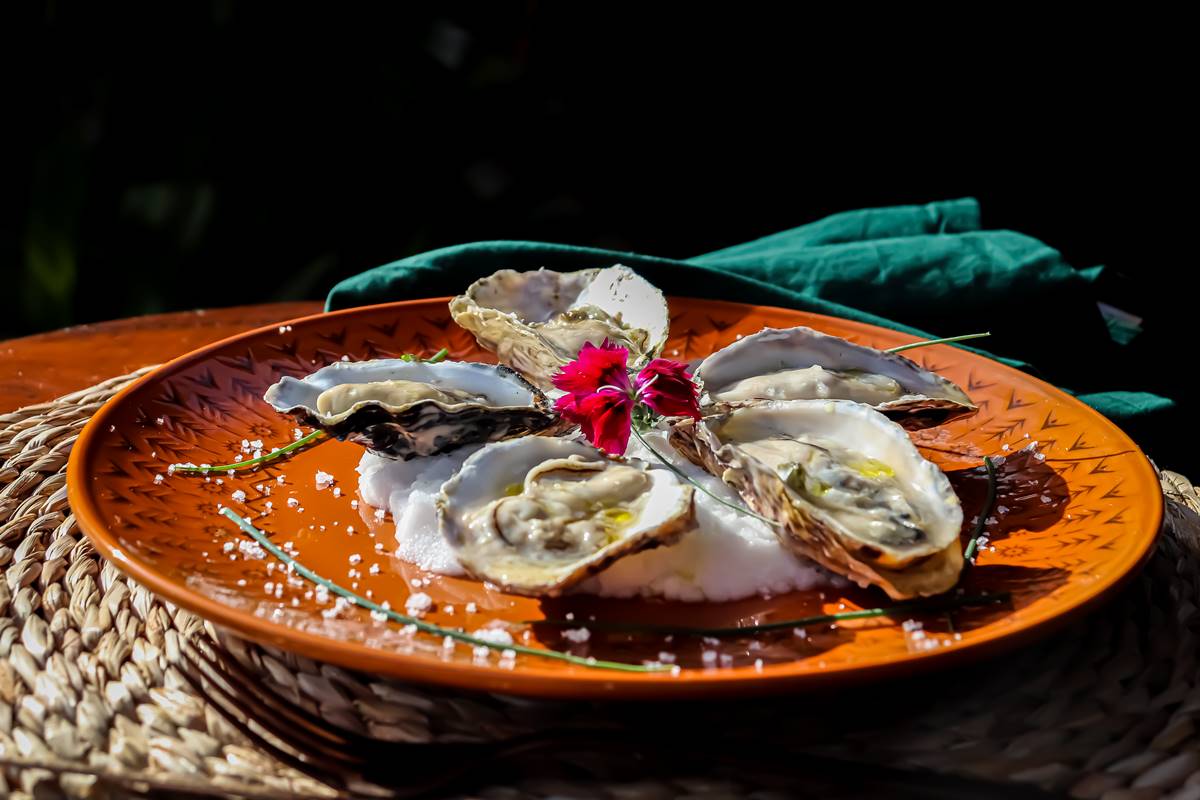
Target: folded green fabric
{"x": 928, "y": 270}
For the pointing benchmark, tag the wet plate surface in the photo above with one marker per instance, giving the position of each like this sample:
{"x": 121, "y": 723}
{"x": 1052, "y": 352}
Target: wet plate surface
{"x": 1076, "y": 513}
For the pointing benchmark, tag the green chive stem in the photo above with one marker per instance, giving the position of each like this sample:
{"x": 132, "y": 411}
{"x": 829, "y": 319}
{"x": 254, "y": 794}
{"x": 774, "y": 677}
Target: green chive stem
{"x": 973, "y": 544}
{"x": 296, "y": 445}
{"x": 933, "y": 605}
{"x": 927, "y": 342}
{"x": 684, "y": 476}
{"x": 440, "y": 355}
{"x": 425, "y": 627}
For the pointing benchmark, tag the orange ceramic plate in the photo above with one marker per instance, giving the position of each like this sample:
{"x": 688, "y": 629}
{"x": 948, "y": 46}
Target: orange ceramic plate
{"x": 1074, "y": 519}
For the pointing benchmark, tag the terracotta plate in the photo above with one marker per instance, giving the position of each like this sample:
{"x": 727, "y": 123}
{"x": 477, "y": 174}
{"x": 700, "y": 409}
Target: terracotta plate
{"x": 1076, "y": 515}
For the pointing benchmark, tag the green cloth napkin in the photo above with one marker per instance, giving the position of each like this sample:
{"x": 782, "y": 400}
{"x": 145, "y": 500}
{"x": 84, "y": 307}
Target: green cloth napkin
{"x": 928, "y": 270}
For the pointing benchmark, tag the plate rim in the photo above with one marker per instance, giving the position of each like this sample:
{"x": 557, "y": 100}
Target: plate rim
{"x": 529, "y": 679}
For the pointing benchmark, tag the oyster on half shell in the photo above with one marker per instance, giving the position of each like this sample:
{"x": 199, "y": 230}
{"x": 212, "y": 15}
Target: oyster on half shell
{"x": 803, "y": 364}
{"x": 404, "y": 409}
{"x": 844, "y": 485}
{"x": 538, "y": 515}
{"x": 536, "y": 321}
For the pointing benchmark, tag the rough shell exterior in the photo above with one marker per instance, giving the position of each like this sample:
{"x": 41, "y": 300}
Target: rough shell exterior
{"x": 806, "y": 533}
{"x": 450, "y": 511}
{"x": 425, "y": 427}
{"x": 933, "y": 400}
{"x": 503, "y": 310}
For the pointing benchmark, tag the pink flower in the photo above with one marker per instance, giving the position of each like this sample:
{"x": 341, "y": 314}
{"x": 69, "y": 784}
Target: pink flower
{"x": 600, "y": 397}
{"x": 666, "y": 386}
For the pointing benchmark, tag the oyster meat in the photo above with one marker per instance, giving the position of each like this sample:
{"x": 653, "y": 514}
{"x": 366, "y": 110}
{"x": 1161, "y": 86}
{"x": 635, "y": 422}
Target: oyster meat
{"x": 538, "y": 515}
{"x": 844, "y": 485}
{"x": 802, "y": 364}
{"x": 536, "y": 321}
{"x": 404, "y": 409}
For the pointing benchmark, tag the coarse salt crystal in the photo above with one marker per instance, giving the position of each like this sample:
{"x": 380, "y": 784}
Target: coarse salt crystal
{"x": 418, "y": 603}
{"x": 472, "y": 608}
{"x": 354, "y": 504}
{"x": 337, "y": 492}
{"x": 158, "y": 479}
{"x": 227, "y": 547}
{"x": 709, "y": 656}
{"x": 324, "y": 480}
{"x": 239, "y": 496}
{"x": 374, "y": 570}
{"x": 577, "y": 635}
{"x": 293, "y": 502}
{"x": 493, "y": 636}
{"x": 297, "y": 434}
{"x": 279, "y": 480}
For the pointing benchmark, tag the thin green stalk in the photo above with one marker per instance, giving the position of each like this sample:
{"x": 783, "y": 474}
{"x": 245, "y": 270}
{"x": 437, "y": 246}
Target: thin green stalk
{"x": 296, "y": 445}
{"x": 440, "y": 355}
{"x": 973, "y": 544}
{"x": 425, "y": 627}
{"x": 914, "y": 606}
{"x": 927, "y": 342}
{"x": 686, "y": 477}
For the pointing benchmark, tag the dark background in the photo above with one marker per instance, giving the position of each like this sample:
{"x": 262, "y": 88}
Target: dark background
{"x": 204, "y": 154}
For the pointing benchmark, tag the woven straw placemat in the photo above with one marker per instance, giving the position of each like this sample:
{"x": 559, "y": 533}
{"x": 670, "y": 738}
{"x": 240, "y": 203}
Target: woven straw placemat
{"x": 99, "y": 698}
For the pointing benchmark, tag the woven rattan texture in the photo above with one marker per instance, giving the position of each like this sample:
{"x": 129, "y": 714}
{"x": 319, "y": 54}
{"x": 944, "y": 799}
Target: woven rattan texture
{"x": 98, "y": 698}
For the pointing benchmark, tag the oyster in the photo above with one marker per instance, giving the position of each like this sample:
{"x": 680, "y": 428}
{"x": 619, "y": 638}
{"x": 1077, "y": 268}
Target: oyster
{"x": 844, "y": 485}
{"x": 802, "y": 364}
{"x": 537, "y": 321}
{"x": 403, "y": 409}
{"x": 538, "y": 515}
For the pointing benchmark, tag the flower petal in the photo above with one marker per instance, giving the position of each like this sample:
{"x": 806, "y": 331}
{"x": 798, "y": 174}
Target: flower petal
{"x": 607, "y": 417}
{"x": 594, "y": 367}
{"x": 667, "y": 388}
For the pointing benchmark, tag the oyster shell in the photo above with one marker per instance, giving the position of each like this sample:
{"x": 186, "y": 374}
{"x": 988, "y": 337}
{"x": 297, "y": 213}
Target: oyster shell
{"x": 404, "y": 409}
{"x": 803, "y": 364}
{"x": 538, "y": 515}
{"x": 844, "y": 485}
{"x": 537, "y": 321}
